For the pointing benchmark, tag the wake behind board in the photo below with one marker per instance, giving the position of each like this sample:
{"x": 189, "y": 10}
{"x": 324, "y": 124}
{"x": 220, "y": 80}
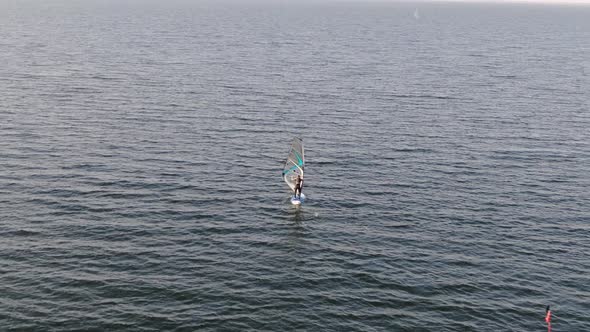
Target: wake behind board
{"x": 297, "y": 200}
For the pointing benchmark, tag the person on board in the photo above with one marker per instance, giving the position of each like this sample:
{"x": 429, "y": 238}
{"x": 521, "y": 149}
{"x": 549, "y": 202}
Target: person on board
{"x": 298, "y": 185}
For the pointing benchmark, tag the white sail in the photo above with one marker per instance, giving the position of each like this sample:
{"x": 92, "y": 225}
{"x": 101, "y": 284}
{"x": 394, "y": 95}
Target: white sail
{"x": 294, "y": 164}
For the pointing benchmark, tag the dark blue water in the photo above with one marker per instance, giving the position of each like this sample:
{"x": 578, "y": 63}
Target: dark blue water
{"x": 141, "y": 146}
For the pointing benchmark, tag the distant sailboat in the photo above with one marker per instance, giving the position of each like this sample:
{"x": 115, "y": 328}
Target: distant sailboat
{"x": 294, "y": 168}
{"x": 416, "y": 14}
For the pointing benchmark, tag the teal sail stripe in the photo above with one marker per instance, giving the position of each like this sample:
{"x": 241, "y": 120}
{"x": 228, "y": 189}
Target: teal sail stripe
{"x": 298, "y": 165}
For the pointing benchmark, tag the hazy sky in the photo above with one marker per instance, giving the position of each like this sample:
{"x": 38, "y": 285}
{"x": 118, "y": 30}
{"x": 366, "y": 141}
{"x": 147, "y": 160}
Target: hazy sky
{"x": 522, "y": 1}
{"x": 535, "y": 1}
{"x": 498, "y": 1}
{"x": 552, "y": 2}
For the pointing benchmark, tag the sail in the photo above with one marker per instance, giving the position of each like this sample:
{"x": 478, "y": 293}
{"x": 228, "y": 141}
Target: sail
{"x": 295, "y": 163}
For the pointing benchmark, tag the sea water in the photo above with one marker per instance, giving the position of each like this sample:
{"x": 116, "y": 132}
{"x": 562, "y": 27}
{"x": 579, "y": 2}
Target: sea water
{"x": 142, "y": 144}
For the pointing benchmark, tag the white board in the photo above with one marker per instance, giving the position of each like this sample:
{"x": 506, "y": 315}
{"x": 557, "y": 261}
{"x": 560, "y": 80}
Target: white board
{"x": 297, "y": 201}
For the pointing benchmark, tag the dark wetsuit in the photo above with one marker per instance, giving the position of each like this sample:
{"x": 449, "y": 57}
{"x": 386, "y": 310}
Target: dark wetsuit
{"x": 298, "y": 185}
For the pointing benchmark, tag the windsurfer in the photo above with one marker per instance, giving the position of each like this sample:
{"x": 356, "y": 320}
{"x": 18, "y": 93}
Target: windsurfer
{"x": 298, "y": 185}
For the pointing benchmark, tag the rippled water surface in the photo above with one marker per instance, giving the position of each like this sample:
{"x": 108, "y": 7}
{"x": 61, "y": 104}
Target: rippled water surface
{"x": 141, "y": 146}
